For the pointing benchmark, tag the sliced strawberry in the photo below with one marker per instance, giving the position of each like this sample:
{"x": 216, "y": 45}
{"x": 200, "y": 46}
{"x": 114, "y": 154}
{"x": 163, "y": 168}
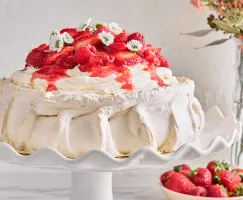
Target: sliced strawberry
{"x": 103, "y": 28}
{"x": 115, "y": 47}
{"x": 127, "y": 58}
{"x": 92, "y": 40}
{"x": 122, "y": 37}
{"x": 71, "y": 31}
{"x": 83, "y": 55}
{"x": 101, "y": 59}
{"x": 53, "y": 56}
{"x": 137, "y": 36}
{"x": 36, "y": 57}
{"x": 43, "y": 46}
{"x": 83, "y": 34}
{"x": 68, "y": 61}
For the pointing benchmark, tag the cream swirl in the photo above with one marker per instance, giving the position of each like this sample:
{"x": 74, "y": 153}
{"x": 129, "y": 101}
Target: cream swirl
{"x": 82, "y": 81}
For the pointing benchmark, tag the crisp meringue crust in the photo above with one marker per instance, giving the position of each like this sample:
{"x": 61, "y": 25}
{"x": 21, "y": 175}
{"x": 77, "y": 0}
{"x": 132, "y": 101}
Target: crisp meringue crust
{"x": 74, "y": 122}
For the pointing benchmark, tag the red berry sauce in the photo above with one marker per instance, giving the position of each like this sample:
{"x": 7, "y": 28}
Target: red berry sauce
{"x": 51, "y": 75}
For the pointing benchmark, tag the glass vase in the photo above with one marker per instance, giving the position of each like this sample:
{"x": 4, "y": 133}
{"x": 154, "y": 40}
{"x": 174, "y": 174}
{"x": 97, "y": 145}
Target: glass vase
{"x": 238, "y": 102}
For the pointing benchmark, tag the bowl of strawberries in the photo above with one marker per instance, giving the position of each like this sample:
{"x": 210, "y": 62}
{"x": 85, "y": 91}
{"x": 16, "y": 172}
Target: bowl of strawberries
{"x": 214, "y": 181}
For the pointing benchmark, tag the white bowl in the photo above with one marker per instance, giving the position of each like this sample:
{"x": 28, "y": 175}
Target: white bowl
{"x": 178, "y": 196}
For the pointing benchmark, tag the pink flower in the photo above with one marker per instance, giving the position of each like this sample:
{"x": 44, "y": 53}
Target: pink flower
{"x": 197, "y": 4}
{"x": 241, "y": 37}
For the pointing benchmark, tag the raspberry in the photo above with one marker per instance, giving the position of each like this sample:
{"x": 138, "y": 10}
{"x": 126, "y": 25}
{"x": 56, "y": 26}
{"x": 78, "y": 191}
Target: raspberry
{"x": 115, "y": 47}
{"x": 122, "y": 37}
{"x": 83, "y": 55}
{"x": 137, "y": 36}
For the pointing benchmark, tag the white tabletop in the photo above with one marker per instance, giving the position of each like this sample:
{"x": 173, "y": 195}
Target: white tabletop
{"x": 23, "y": 183}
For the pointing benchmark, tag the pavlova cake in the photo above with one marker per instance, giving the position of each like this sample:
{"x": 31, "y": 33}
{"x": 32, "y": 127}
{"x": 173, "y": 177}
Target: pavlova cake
{"x": 97, "y": 87}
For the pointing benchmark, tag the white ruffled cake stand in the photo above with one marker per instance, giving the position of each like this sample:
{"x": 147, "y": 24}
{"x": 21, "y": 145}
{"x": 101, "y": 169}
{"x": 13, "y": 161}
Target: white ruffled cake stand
{"x": 92, "y": 173}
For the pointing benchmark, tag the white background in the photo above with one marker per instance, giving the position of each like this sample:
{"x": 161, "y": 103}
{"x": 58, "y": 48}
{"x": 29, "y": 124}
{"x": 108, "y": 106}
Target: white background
{"x": 28, "y": 23}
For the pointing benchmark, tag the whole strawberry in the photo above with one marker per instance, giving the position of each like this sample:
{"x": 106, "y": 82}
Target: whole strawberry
{"x": 235, "y": 189}
{"x": 202, "y": 177}
{"x": 215, "y": 166}
{"x": 199, "y": 192}
{"x": 226, "y": 178}
{"x": 183, "y": 169}
{"x": 239, "y": 172}
{"x": 166, "y": 176}
{"x": 217, "y": 191}
{"x": 179, "y": 183}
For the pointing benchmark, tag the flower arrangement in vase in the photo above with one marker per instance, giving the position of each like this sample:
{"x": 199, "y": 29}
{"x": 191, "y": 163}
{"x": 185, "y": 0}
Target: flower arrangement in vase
{"x": 227, "y": 16}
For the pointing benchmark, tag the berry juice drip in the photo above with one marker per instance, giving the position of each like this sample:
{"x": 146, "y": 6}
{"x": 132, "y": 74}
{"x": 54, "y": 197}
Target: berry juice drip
{"x": 51, "y": 75}
{"x": 154, "y": 76}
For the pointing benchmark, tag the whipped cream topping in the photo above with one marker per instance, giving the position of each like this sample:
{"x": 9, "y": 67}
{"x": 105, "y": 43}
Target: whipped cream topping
{"x": 82, "y": 81}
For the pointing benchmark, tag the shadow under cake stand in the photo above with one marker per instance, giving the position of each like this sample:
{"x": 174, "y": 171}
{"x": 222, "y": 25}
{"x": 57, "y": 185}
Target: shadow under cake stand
{"x": 92, "y": 173}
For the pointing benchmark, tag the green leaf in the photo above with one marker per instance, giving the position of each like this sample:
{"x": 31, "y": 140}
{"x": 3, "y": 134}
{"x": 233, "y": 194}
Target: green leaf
{"x": 225, "y": 27}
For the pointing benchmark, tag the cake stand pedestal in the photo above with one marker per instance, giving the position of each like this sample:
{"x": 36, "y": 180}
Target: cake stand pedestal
{"x": 91, "y": 186}
{"x": 92, "y": 172}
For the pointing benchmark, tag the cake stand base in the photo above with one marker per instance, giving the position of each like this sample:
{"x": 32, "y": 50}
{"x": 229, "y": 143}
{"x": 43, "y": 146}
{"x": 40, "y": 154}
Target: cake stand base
{"x": 91, "y": 186}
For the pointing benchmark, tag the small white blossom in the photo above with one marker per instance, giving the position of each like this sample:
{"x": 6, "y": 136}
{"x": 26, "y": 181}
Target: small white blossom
{"x": 97, "y": 25}
{"x": 56, "y": 43}
{"x": 115, "y": 28}
{"x": 85, "y": 25}
{"x": 106, "y": 38}
{"x": 53, "y": 33}
{"x": 134, "y": 45}
{"x": 67, "y": 38}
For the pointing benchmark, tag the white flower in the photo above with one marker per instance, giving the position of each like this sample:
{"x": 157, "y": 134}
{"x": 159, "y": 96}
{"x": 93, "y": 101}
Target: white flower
{"x": 56, "y": 43}
{"x": 53, "y": 33}
{"x": 106, "y": 38}
{"x": 67, "y": 38}
{"x": 134, "y": 45}
{"x": 98, "y": 24}
{"x": 86, "y": 25}
{"x": 115, "y": 28}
